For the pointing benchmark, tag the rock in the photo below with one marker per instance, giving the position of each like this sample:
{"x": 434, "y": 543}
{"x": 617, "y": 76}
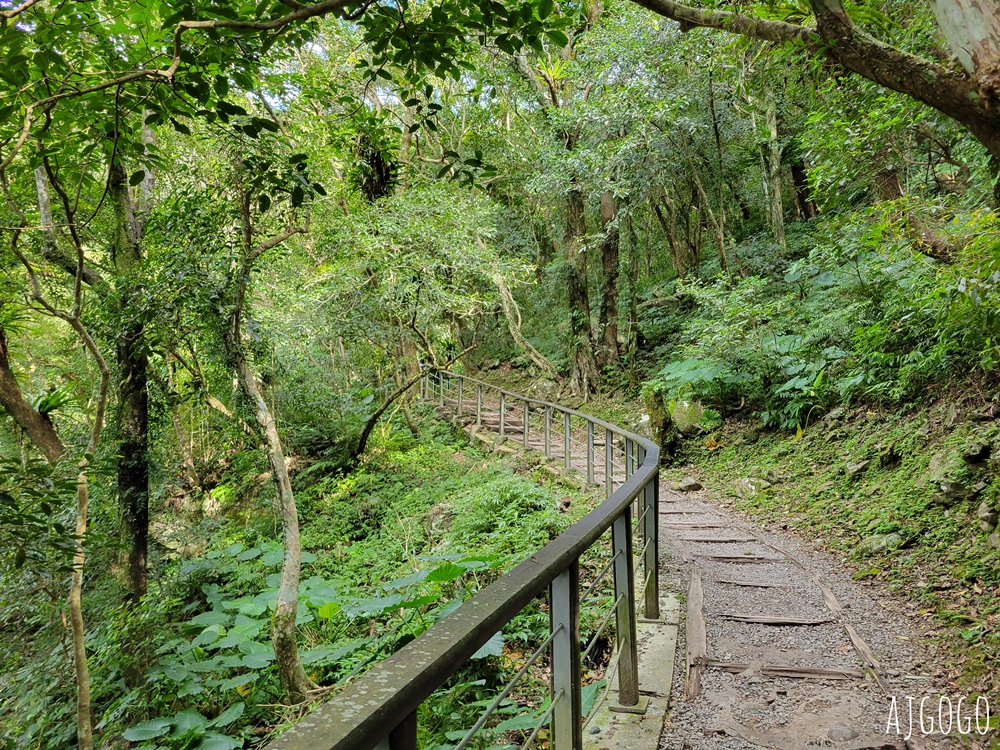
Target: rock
{"x": 993, "y": 540}
{"x": 842, "y": 733}
{"x": 687, "y": 417}
{"x": 661, "y": 426}
{"x": 748, "y": 487}
{"x": 689, "y": 484}
{"x": 954, "y": 490}
{"x": 856, "y": 468}
{"x": 977, "y": 453}
{"x": 873, "y": 545}
{"x": 987, "y": 516}
{"x": 439, "y": 518}
{"x": 543, "y": 389}
{"x": 940, "y": 466}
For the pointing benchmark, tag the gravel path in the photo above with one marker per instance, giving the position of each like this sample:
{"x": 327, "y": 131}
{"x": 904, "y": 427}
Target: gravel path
{"x": 747, "y": 707}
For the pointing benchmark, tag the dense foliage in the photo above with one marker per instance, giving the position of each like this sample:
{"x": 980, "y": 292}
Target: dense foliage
{"x": 234, "y": 233}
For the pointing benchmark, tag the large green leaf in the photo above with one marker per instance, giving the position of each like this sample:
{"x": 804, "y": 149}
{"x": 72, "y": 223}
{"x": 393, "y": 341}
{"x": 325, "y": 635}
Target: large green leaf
{"x": 147, "y": 730}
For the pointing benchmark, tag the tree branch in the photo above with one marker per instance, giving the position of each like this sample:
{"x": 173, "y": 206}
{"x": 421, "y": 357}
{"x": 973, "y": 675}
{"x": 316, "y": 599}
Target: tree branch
{"x": 18, "y": 10}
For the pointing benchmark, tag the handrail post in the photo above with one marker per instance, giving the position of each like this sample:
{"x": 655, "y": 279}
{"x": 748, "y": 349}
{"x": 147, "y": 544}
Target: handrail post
{"x": 503, "y": 408}
{"x": 525, "y": 436}
{"x": 628, "y": 659}
{"x": 590, "y": 453}
{"x": 628, "y": 458}
{"x": 609, "y": 467}
{"x": 460, "y": 381}
{"x": 564, "y": 608}
{"x": 651, "y": 542}
{"x": 440, "y": 388}
{"x": 479, "y": 405}
{"x": 567, "y": 449}
{"x": 548, "y": 430}
{"x": 403, "y": 737}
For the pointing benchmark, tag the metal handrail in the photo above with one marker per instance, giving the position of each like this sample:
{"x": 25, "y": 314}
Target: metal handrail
{"x": 378, "y": 710}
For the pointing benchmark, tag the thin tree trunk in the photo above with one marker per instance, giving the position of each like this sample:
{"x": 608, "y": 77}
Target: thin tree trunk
{"x": 81, "y": 669}
{"x": 720, "y": 222}
{"x": 807, "y": 207}
{"x": 777, "y": 211}
{"x": 608, "y": 322}
{"x": 633, "y": 302}
{"x": 513, "y": 316}
{"x": 133, "y": 392}
{"x": 283, "y": 638}
{"x": 584, "y": 376}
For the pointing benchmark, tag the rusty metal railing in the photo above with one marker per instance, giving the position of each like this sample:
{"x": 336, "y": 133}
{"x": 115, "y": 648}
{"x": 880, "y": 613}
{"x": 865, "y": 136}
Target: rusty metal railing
{"x": 379, "y": 709}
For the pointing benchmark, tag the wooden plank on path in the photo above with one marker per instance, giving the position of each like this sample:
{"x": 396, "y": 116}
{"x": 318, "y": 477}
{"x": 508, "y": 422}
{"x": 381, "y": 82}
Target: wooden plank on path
{"x": 718, "y": 539}
{"x": 867, "y": 656}
{"x": 753, "y": 584}
{"x": 691, "y": 526}
{"x": 771, "y": 620}
{"x": 787, "y": 670}
{"x": 697, "y": 640}
{"x": 740, "y": 559}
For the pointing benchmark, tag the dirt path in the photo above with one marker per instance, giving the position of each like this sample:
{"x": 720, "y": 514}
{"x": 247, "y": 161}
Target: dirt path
{"x": 764, "y": 613}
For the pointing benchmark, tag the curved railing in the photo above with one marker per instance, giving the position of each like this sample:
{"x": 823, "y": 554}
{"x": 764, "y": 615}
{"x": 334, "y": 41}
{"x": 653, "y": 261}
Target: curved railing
{"x": 379, "y": 709}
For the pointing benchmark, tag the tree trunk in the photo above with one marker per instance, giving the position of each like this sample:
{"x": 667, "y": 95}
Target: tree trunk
{"x": 972, "y": 28}
{"x": 633, "y": 301}
{"x": 608, "y": 325}
{"x": 777, "y": 211}
{"x": 512, "y": 314}
{"x": 286, "y": 650}
{"x": 283, "y": 638}
{"x": 584, "y": 375}
{"x": 805, "y": 203}
{"x": 36, "y": 426}
{"x": 133, "y": 393}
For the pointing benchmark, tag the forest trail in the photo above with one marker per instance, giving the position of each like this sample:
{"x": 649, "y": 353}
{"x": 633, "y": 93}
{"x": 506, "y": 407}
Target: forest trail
{"x": 783, "y": 650}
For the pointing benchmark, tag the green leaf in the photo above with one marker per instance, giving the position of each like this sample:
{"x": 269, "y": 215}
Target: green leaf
{"x": 492, "y": 647}
{"x": 137, "y": 177}
{"x": 328, "y": 610}
{"x": 214, "y": 741}
{"x": 211, "y": 618}
{"x": 228, "y": 716}
{"x": 524, "y": 721}
{"x": 187, "y": 721}
{"x": 147, "y": 730}
{"x": 447, "y": 572}
{"x": 234, "y": 682}
{"x": 545, "y": 8}
{"x": 557, "y": 37}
